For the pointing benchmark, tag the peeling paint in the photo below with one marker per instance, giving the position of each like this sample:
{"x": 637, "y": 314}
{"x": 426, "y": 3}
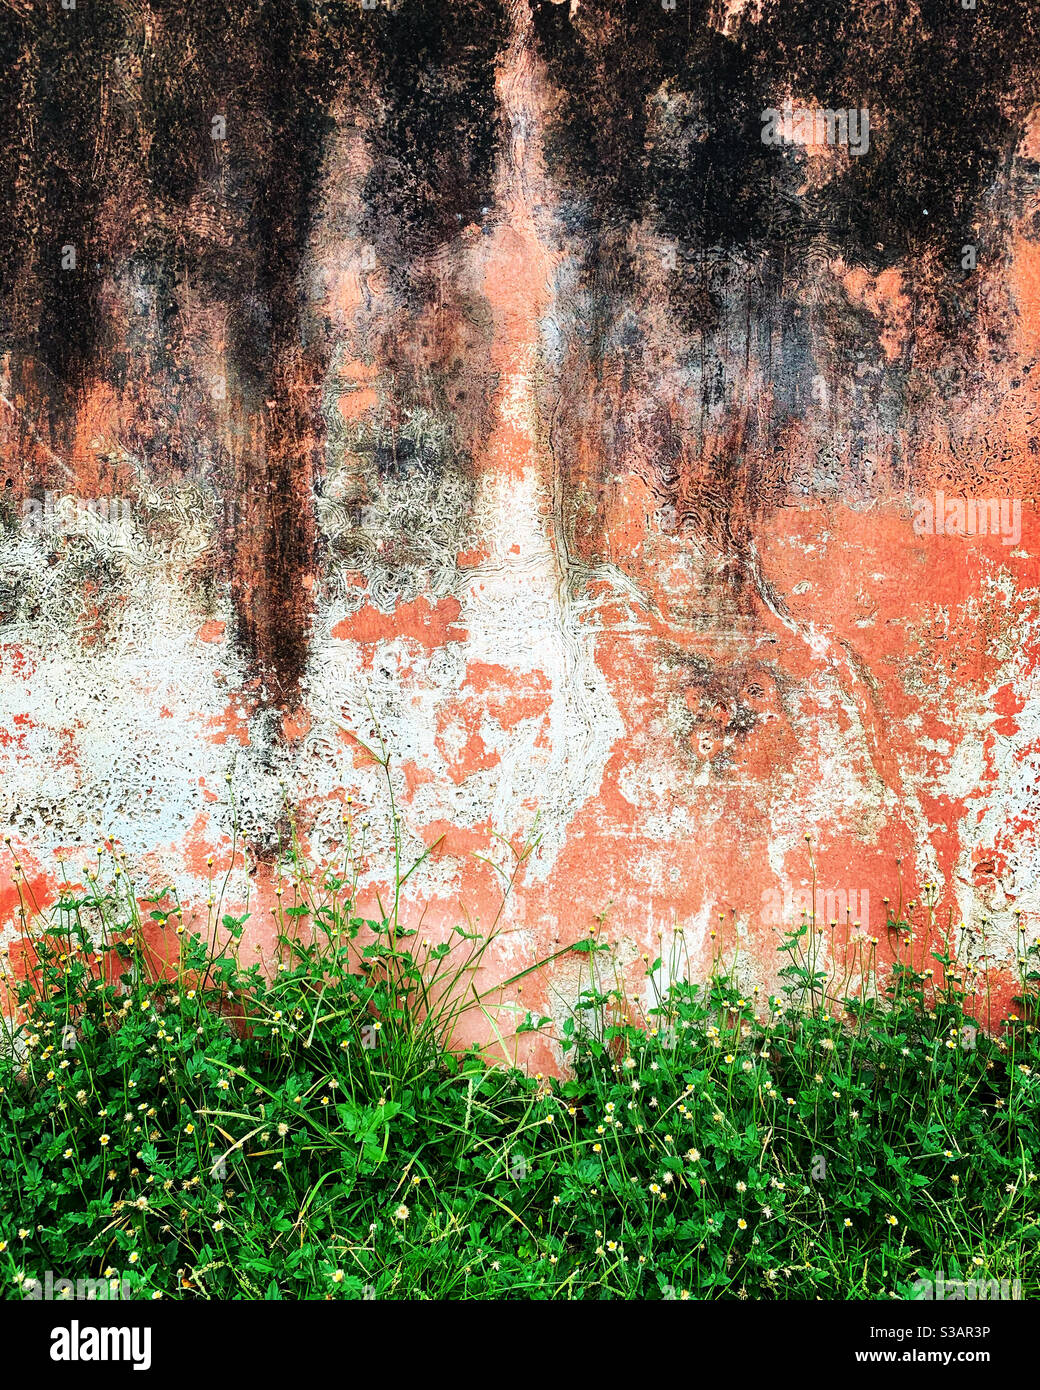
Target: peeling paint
{"x": 490, "y": 389}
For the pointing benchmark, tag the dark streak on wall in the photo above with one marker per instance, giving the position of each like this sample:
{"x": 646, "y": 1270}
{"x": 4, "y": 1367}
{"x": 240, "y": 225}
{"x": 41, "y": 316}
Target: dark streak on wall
{"x": 106, "y": 112}
{"x": 656, "y": 132}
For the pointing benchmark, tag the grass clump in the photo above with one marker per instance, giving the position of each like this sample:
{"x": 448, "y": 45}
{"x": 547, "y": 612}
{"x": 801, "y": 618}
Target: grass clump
{"x": 192, "y": 1128}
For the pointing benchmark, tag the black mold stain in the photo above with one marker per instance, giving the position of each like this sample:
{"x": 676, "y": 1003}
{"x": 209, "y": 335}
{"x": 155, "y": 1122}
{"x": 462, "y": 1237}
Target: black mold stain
{"x": 50, "y": 116}
{"x": 722, "y": 706}
{"x": 656, "y": 133}
{"x": 946, "y": 89}
{"x": 106, "y": 118}
{"x": 437, "y": 130}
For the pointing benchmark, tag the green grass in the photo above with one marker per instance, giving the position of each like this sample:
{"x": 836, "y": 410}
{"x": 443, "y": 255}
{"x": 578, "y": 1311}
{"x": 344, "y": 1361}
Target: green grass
{"x": 203, "y": 1129}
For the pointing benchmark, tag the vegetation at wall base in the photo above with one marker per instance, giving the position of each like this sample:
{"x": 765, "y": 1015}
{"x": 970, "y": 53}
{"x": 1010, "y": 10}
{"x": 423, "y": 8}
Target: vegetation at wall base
{"x": 190, "y": 1127}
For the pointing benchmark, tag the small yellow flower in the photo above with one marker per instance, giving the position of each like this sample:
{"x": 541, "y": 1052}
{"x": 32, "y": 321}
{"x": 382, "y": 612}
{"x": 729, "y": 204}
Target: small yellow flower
{"x": 741, "y": 1224}
{"x": 892, "y": 1220}
{"x": 337, "y": 1276}
{"x": 104, "y": 1141}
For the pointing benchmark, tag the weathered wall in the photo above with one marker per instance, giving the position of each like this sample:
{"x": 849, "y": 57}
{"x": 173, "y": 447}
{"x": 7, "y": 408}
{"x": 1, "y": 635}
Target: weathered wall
{"x": 492, "y": 382}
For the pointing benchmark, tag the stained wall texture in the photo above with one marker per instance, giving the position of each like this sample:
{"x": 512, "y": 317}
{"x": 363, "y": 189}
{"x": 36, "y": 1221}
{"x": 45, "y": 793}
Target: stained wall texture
{"x": 626, "y": 413}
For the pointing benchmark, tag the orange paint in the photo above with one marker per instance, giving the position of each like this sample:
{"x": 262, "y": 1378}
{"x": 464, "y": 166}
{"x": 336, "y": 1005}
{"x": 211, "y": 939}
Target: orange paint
{"x": 428, "y": 624}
